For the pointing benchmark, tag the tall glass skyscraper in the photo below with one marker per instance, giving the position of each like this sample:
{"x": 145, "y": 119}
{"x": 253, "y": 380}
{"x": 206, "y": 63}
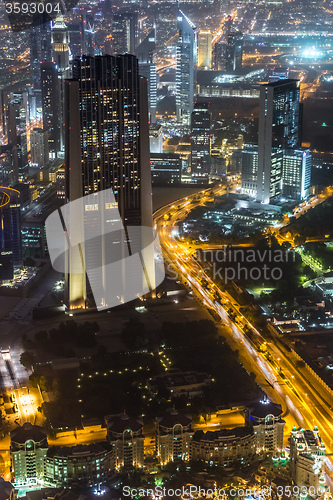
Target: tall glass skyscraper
{"x": 186, "y": 67}
{"x": 200, "y": 141}
{"x": 279, "y": 129}
{"x": 124, "y": 32}
{"x": 107, "y": 145}
{"x": 147, "y": 68}
{"x": 50, "y": 104}
{"x": 10, "y": 232}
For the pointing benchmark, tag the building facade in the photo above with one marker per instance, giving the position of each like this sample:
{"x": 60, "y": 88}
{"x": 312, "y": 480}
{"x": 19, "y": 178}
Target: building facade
{"x": 265, "y": 420}
{"x": 10, "y": 233}
{"x": 200, "y": 140}
{"x": 39, "y": 147}
{"x": 296, "y": 173}
{"x": 126, "y": 439}
{"x": 28, "y": 449}
{"x": 225, "y": 448}
{"x": 166, "y": 168}
{"x": 124, "y": 32}
{"x": 186, "y": 68}
{"x": 307, "y": 459}
{"x": 173, "y": 437}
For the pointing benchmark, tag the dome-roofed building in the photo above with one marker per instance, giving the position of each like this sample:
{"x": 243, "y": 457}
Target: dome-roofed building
{"x": 27, "y": 451}
{"x": 264, "y": 417}
{"x": 173, "y": 436}
{"x": 125, "y": 436}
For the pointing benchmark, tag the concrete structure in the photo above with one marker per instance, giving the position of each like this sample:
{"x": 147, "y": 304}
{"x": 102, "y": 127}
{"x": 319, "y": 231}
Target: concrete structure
{"x": 307, "y": 459}
{"x": 28, "y": 449}
{"x": 265, "y": 420}
{"x": 125, "y": 436}
{"x": 186, "y": 68}
{"x": 173, "y": 437}
{"x": 225, "y": 448}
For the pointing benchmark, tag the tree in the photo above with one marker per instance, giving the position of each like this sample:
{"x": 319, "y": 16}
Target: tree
{"x": 27, "y": 359}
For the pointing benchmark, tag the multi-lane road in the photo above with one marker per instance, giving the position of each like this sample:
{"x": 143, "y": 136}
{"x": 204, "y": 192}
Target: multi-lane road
{"x": 305, "y": 401}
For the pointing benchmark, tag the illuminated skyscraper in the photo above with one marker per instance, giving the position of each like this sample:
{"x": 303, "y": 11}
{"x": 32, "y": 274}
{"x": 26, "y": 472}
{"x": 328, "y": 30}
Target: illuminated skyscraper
{"x": 278, "y": 130}
{"x": 124, "y": 32}
{"x": 17, "y": 118}
{"x": 10, "y": 232}
{"x": 40, "y": 48}
{"x": 147, "y": 68}
{"x": 107, "y": 144}
{"x": 50, "y": 104}
{"x": 205, "y": 49}
{"x": 200, "y": 140}
{"x": 234, "y": 51}
{"x": 186, "y": 68}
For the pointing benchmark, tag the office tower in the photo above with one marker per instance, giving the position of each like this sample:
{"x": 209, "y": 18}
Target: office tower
{"x": 173, "y": 437}
{"x": 60, "y": 48}
{"x": 39, "y": 147}
{"x": 126, "y": 439}
{"x": 155, "y": 138}
{"x": 264, "y": 418}
{"x": 200, "y": 140}
{"x": 219, "y": 54}
{"x": 166, "y": 168}
{"x": 10, "y": 232}
{"x": 296, "y": 173}
{"x": 234, "y": 51}
{"x": 28, "y": 449}
{"x": 224, "y": 448}
{"x": 107, "y": 146}
{"x": 186, "y": 68}
{"x": 204, "y": 49}
{"x": 307, "y": 459}
{"x": 147, "y": 68}
{"x": 75, "y": 39}
{"x": 278, "y": 130}
{"x": 17, "y": 119}
{"x": 50, "y": 105}
{"x": 124, "y": 32}
{"x": 248, "y": 164}
{"x": 40, "y": 48}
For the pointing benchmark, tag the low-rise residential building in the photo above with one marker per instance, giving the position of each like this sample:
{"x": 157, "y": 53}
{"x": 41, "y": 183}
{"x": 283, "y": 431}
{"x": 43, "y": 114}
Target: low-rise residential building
{"x": 226, "y": 447}
{"x": 307, "y": 457}
{"x": 83, "y": 463}
{"x": 173, "y": 437}
{"x": 126, "y": 438}
{"x": 189, "y": 384}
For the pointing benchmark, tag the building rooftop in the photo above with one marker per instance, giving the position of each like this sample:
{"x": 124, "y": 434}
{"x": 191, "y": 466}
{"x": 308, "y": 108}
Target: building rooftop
{"x": 172, "y": 418}
{"x": 80, "y": 449}
{"x": 122, "y": 422}
{"x": 237, "y": 432}
{"x": 263, "y": 408}
{"x": 28, "y": 431}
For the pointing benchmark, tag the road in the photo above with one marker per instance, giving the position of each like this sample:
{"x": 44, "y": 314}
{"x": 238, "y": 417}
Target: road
{"x": 305, "y": 401}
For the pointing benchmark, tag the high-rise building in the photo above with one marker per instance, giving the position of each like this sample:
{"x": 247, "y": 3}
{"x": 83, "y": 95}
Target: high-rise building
{"x": 186, "y": 68}
{"x": 205, "y": 49}
{"x": 200, "y": 140}
{"x": 307, "y": 459}
{"x": 60, "y": 49}
{"x": 28, "y": 449}
{"x": 147, "y": 68}
{"x": 173, "y": 437}
{"x": 265, "y": 420}
{"x": 278, "y": 130}
{"x": 296, "y": 173}
{"x": 219, "y": 54}
{"x": 39, "y": 147}
{"x": 40, "y": 48}
{"x": 126, "y": 439}
{"x": 248, "y": 159}
{"x": 124, "y": 32}
{"x": 50, "y": 104}
{"x": 18, "y": 116}
{"x": 166, "y": 168}
{"x": 10, "y": 232}
{"x": 107, "y": 147}
{"x": 234, "y": 51}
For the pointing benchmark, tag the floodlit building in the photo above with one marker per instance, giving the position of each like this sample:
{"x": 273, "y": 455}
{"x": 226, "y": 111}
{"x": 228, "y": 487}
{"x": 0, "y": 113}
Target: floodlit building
{"x": 126, "y": 439}
{"x": 200, "y": 140}
{"x": 265, "y": 419}
{"x": 83, "y": 463}
{"x": 28, "y": 448}
{"x": 278, "y": 130}
{"x": 205, "y": 49}
{"x": 173, "y": 437}
{"x": 307, "y": 459}
{"x": 186, "y": 68}
{"x": 226, "y": 447}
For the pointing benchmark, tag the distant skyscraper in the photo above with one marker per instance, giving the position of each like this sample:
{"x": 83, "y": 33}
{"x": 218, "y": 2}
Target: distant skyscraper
{"x": 60, "y": 48}
{"x": 51, "y": 104}
{"x": 124, "y": 32}
{"x": 107, "y": 143}
{"x": 205, "y": 49}
{"x": 200, "y": 140}
{"x": 147, "y": 68}
{"x": 39, "y": 144}
{"x": 10, "y": 232}
{"x": 18, "y": 116}
{"x": 296, "y": 173}
{"x": 40, "y": 49}
{"x": 219, "y": 54}
{"x": 186, "y": 68}
{"x": 278, "y": 130}
{"x": 234, "y": 51}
